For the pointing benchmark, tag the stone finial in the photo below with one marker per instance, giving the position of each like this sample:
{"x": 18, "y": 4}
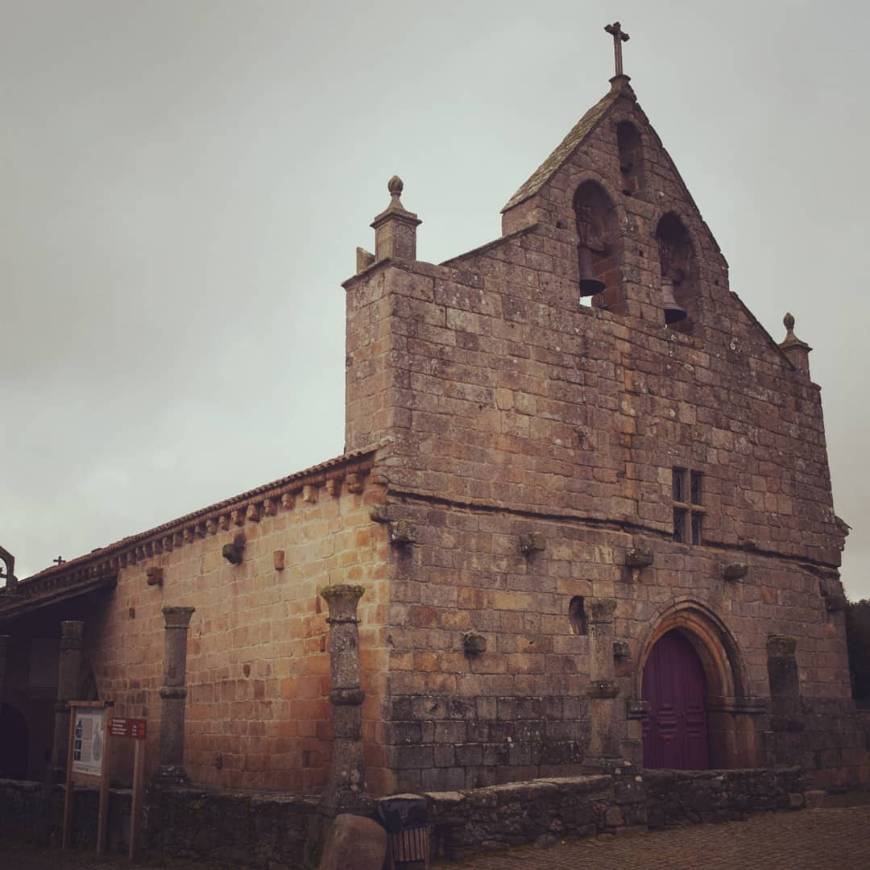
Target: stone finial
{"x": 395, "y": 185}
{"x": 797, "y": 351}
{"x": 7, "y": 569}
{"x": 395, "y": 227}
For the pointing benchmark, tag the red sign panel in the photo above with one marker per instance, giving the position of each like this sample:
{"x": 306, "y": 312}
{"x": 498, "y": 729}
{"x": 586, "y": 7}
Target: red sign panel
{"x": 134, "y": 728}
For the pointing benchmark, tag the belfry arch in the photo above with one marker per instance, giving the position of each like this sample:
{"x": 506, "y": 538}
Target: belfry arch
{"x": 730, "y": 712}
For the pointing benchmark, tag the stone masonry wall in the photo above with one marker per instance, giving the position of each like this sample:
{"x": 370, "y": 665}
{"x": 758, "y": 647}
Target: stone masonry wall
{"x": 258, "y": 714}
{"x": 513, "y": 410}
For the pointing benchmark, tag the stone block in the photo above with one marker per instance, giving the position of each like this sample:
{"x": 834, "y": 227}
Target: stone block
{"x": 354, "y": 843}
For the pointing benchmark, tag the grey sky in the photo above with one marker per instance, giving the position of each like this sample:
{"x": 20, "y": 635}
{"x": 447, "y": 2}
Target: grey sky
{"x": 183, "y": 184}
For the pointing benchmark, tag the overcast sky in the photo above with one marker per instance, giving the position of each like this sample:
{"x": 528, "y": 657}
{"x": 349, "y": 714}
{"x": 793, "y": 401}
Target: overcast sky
{"x": 183, "y": 185}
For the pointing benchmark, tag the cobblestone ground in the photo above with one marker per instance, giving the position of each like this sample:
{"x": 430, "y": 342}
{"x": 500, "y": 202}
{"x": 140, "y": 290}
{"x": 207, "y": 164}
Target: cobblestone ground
{"x": 828, "y": 839}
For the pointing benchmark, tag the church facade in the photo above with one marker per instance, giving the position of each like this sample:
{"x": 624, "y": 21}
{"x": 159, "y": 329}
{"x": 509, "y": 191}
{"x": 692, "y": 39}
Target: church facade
{"x": 583, "y": 518}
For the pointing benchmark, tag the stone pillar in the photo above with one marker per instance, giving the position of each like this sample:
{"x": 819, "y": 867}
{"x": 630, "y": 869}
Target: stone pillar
{"x": 603, "y": 688}
{"x": 68, "y": 670}
{"x": 785, "y": 691}
{"x": 345, "y": 790}
{"x": 174, "y": 695}
{"x": 396, "y": 227}
{"x": 796, "y": 350}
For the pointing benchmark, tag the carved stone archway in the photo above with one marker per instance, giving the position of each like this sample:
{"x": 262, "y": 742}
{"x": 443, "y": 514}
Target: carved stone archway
{"x": 731, "y": 712}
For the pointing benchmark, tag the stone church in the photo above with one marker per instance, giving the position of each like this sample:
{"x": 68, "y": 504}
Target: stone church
{"x": 583, "y": 519}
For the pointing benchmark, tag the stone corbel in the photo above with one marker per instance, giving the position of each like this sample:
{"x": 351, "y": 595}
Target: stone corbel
{"x": 603, "y": 689}
{"x": 401, "y": 533}
{"x": 530, "y": 544}
{"x": 621, "y": 650}
{"x": 234, "y": 552}
{"x": 473, "y": 644}
{"x": 636, "y": 708}
{"x": 734, "y": 571}
{"x": 636, "y": 559}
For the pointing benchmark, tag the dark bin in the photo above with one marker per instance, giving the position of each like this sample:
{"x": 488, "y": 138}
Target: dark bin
{"x": 405, "y": 818}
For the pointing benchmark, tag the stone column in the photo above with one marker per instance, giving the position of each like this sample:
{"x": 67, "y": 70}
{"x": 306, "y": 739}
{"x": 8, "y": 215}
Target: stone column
{"x": 603, "y": 688}
{"x": 783, "y": 743}
{"x": 345, "y": 790}
{"x": 68, "y": 669}
{"x": 174, "y": 695}
{"x": 785, "y": 691}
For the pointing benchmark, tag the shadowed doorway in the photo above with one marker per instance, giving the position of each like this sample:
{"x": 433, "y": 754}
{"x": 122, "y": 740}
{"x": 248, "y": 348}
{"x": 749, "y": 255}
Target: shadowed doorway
{"x": 14, "y": 743}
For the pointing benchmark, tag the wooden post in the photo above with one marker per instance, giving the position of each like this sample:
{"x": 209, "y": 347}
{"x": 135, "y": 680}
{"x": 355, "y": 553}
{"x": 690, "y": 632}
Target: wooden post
{"x": 86, "y": 777}
{"x": 69, "y": 796}
{"x": 138, "y": 794}
{"x": 103, "y": 813}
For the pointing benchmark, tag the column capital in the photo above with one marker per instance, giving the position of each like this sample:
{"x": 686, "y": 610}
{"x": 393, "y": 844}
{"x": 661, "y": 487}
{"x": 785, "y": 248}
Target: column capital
{"x": 71, "y": 633}
{"x": 177, "y": 617}
{"x": 342, "y": 600}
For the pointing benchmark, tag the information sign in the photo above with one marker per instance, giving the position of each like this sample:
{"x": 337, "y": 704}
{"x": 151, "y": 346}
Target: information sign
{"x": 134, "y": 728}
{"x": 89, "y": 740}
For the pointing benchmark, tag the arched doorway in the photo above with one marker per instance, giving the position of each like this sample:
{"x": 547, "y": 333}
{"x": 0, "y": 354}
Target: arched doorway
{"x": 675, "y": 732}
{"x": 730, "y": 711}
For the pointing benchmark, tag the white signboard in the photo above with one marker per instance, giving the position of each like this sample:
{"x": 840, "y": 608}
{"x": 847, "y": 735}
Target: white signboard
{"x": 89, "y": 741}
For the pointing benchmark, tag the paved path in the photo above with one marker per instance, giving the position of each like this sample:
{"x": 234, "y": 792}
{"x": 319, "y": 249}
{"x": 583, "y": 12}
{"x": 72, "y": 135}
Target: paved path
{"x": 828, "y": 839}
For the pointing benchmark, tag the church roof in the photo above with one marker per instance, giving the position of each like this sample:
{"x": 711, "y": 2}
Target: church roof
{"x": 100, "y": 566}
{"x": 565, "y": 148}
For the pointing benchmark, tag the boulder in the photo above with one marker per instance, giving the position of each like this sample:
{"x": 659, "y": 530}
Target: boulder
{"x": 354, "y": 843}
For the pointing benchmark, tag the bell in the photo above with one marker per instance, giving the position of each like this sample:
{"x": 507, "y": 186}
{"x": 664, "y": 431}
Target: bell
{"x": 589, "y": 284}
{"x": 673, "y": 312}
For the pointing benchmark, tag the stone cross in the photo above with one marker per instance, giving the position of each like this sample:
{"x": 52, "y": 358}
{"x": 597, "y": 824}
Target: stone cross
{"x": 619, "y": 36}
{"x": 59, "y": 560}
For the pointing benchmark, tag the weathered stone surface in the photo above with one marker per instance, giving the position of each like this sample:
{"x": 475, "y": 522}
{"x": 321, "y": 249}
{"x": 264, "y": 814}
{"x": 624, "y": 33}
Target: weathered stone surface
{"x": 354, "y": 843}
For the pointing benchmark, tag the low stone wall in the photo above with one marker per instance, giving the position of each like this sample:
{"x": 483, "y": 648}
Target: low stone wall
{"x": 547, "y": 809}
{"x": 228, "y": 829}
{"x": 278, "y": 832}
{"x": 33, "y": 812}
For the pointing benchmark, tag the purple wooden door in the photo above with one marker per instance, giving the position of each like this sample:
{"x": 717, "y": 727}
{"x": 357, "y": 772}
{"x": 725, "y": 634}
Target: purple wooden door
{"x": 675, "y": 732}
